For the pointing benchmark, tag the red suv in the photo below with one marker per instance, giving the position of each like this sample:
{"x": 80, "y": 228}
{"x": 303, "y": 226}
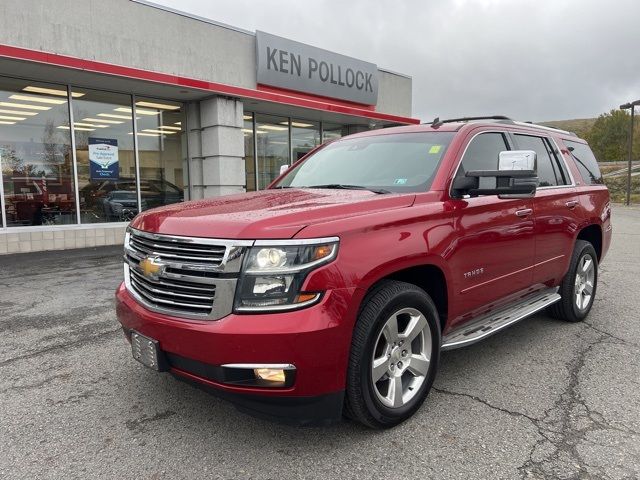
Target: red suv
{"x": 335, "y": 290}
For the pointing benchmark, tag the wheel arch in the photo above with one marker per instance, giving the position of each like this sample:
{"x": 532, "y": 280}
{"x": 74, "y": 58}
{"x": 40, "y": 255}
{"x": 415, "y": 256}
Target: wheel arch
{"x": 593, "y": 234}
{"x": 429, "y": 277}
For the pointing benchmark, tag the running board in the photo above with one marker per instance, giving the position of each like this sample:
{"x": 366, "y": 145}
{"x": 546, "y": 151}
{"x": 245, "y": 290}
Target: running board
{"x": 486, "y": 325}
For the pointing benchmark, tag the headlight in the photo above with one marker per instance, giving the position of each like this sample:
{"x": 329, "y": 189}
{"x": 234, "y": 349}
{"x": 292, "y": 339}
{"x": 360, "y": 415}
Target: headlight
{"x": 274, "y": 271}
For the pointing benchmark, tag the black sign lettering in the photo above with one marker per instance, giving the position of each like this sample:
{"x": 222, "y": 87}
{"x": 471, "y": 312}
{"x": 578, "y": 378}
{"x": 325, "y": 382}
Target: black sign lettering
{"x": 368, "y": 82}
{"x": 295, "y": 64}
{"x": 284, "y": 61}
{"x": 360, "y": 82}
{"x": 313, "y": 66}
{"x": 349, "y": 78}
{"x": 324, "y": 71}
{"x": 271, "y": 58}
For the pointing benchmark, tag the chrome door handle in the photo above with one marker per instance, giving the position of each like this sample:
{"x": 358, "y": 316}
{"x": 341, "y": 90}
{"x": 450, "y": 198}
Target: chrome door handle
{"x": 572, "y": 203}
{"x": 525, "y": 212}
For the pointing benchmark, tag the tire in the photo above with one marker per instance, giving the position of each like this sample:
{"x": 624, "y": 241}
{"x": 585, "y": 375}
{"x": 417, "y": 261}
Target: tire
{"x": 412, "y": 357}
{"x": 578, "y": 281}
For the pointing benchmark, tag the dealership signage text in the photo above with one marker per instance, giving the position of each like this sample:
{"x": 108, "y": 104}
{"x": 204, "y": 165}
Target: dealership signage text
{"x": 300, "y": 67}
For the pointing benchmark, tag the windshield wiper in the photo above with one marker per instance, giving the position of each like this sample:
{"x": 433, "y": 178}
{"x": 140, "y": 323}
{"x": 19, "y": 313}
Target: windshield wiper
{"x": 342, "y": 186}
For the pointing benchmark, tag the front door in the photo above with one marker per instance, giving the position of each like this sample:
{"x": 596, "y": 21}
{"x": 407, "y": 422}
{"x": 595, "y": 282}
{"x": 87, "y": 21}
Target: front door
{"x": 493, "y": 256}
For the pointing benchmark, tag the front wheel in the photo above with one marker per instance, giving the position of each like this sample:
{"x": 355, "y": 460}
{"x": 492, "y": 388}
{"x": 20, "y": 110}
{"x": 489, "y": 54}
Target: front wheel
{"x": 578, "y": 288}
{"x": 394, "y": 355}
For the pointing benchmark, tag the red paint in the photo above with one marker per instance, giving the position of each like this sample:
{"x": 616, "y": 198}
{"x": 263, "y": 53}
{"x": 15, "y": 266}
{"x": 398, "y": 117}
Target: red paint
{"x": 270, "y": 95}
{"x": 379, "y": 236}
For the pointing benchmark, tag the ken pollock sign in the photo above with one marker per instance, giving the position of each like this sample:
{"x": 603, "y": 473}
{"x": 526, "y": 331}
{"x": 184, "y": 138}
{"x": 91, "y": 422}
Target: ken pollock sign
{"x": 296, "y": 66}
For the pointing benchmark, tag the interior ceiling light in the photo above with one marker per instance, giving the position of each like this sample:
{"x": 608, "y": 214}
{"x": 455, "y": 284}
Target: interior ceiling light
{"x": 146, "y": 134}
{"x": 247, "y": 117}
{"x": 34, "y": 98}
{"x": 178, "y": 123}
{"x": 18, "y": 112}
{"x": 7, "y": 117}
{"x": 273, "y": 127}
{"x": 24, "y": 105}
{"x": 141, "y": 111}
{"x": 7, "y": 123}
{"x": 110, "y": 122}
{"x": 150, "y": 130}
{"x": 162, "y": 106}
{"x": 51, "y": 91}
{"x": 165, "y": 127}
{"x": 298, "y": 124}
{"x": 64, "y": 127}
{"x": 113, "y": 115}
{"x": 89, "y": 125}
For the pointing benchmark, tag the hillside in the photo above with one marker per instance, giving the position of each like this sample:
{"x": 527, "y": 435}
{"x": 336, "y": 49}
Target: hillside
{"x": 578, "y": 125}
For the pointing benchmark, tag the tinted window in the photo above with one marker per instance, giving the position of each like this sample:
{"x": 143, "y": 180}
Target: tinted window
{"x": 586, "y": 162}
{"x": 549, "y": 171}
{"x": 483, "y": 153}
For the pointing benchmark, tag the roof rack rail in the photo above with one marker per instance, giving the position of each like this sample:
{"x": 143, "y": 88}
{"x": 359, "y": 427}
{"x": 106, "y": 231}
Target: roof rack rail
{"x": 546, "y": 127}
{"x": 437, "y": 122}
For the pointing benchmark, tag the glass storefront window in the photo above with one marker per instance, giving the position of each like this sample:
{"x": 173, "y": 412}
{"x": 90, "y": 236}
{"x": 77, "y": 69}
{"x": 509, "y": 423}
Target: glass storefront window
{"x": 249, "y": 159}
{"x": 272, "y": 137}
{"x": 162, "y": 171}
{"x": 305, "y": 136}
{"x": 35, "y": 154}
{"x": 333, "y": 131}
{"x": 106, "y": 159}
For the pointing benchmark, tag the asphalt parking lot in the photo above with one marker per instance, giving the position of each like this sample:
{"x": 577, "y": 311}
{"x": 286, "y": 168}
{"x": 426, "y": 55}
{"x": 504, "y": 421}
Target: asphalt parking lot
{"x": 544, "y": 399}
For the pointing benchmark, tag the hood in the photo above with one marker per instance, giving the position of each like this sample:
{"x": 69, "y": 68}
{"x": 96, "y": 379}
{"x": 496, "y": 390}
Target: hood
{"x": 264, "y": 214}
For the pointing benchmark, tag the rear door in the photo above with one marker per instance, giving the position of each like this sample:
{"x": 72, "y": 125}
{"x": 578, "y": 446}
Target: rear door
{"x": 493, "y": 256}
{"x": 556, "y": 207}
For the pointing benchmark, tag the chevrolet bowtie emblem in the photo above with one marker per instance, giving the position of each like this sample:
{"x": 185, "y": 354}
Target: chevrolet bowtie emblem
{"x": 151, "y": 267}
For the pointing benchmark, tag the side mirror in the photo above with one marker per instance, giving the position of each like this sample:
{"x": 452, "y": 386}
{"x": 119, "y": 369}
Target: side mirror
{"x": 516, "y": 177}
{"x": 283, "y": 168}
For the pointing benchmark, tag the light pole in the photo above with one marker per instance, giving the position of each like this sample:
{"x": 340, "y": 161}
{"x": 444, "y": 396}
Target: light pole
{"x": 630, "y": 106}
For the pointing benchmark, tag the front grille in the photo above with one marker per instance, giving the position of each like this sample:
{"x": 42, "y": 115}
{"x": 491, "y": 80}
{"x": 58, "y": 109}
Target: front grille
{"x": 179, "y": 295}
{"x": 176, "y": 249}
{"x": 192, "y": 277}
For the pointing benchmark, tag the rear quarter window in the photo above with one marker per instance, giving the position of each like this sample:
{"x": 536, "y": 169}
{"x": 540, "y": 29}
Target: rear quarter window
{"x": 586, "y": 162}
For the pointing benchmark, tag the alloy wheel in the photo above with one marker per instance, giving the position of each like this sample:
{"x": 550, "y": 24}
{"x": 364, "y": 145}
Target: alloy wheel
{"x": 401, "y": 357}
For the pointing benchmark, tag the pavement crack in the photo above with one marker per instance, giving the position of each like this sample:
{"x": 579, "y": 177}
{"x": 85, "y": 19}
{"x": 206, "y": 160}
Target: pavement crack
{"x": 60, "y": 347}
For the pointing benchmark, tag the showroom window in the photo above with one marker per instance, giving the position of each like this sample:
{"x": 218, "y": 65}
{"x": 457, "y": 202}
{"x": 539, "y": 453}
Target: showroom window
{"x": 272, "y": 142}
{"x": 305, "y": 136}
{"x": 35, "y": 154}
{"x": 249, "y": 154}
{"x": 162, "y": 171}
{"x": 105, "y": 156}
{"x": 43, "y": 156}
{"x": 333, "y": 131}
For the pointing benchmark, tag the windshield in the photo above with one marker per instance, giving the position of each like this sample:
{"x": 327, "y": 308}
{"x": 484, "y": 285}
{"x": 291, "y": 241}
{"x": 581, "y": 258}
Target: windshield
{"x": 404, "y": 162}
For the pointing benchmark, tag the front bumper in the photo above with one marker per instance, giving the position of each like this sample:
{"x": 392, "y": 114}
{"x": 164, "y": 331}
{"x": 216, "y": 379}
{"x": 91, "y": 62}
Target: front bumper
{"x": 316, "y": 340}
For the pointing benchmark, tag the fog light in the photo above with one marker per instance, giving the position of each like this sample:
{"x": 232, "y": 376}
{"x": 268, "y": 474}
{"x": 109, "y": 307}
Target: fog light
{"x": 270, "y": 374}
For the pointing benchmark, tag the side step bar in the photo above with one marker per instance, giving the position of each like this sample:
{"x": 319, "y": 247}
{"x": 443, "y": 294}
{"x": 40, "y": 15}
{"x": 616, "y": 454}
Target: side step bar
{"x": 486, "y": 325}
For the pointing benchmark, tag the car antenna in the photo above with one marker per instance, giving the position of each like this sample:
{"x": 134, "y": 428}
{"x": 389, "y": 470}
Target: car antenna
{"x": 436, "y": 122}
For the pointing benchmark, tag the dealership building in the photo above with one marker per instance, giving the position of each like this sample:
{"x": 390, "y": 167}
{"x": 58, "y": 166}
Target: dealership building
{"x": 112, "y": 107}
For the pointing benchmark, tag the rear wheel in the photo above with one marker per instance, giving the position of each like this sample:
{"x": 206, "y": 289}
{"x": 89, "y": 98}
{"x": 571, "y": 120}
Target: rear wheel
{"x": 578, "y": 288}
{"x": 394, "y": 355}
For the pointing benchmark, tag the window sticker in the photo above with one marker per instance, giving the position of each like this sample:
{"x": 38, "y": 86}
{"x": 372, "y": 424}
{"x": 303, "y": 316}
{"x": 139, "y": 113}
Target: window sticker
{"x": 400, "y": 181}
{"x": 435, "y": 148}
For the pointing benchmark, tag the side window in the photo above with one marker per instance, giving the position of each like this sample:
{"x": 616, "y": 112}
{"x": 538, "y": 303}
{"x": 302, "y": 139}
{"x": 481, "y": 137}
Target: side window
{"x": 585, "y": 161}
{"x": 549, "y": 171}
{"x": 483, "y": 152}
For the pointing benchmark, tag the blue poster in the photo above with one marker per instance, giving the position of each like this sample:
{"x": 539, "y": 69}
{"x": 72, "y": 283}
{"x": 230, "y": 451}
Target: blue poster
{"x": 103, "y": 159}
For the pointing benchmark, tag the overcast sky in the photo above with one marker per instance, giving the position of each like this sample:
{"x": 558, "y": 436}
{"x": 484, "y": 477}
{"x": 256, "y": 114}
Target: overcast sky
{"x": 529, "y": 59}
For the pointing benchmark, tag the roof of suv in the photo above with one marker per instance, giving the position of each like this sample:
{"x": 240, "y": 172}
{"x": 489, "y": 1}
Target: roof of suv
{"x": 455, "y": 125}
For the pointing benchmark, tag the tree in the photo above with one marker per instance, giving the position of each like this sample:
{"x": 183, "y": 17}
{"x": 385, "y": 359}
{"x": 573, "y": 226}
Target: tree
{"x": 609, "y": 136}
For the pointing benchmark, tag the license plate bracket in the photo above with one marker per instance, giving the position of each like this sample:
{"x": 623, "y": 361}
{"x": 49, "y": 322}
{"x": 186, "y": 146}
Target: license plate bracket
{"x": 146, "y": 350}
